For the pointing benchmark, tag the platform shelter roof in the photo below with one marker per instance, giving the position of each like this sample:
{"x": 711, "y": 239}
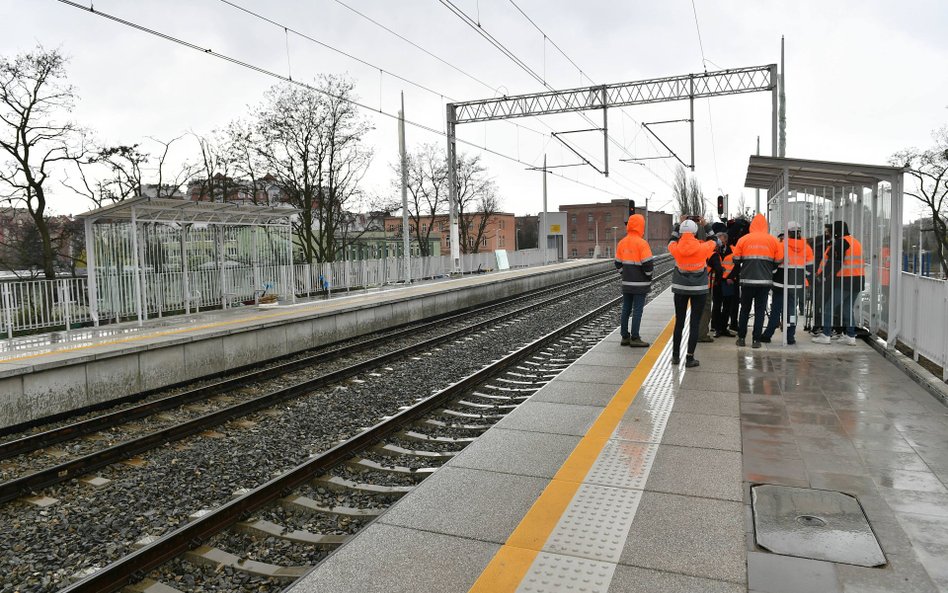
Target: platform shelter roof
{"x": 764, "y": 172}
{"x": 167, "y": 210}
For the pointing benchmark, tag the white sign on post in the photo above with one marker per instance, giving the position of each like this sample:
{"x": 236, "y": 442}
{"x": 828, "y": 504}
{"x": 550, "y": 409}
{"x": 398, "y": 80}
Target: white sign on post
{"x": 502, "y": 263}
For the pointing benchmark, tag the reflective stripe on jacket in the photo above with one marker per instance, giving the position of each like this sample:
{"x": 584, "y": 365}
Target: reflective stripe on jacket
{"x": 634, "y": 258}
{"x": 757, "y": 254}
{"x": 691, "y": 264}
{"x": 797, "y": 266}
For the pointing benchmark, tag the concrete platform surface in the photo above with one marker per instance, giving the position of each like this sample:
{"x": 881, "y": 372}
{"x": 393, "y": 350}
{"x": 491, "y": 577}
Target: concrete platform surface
{"x": 642, "y": 484}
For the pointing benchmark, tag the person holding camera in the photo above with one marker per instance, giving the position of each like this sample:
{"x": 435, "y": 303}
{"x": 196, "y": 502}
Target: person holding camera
{"x": 689, "y": 284}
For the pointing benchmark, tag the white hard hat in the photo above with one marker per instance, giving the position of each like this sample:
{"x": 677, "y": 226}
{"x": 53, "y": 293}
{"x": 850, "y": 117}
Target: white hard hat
{"x": 689, "y": 226}
{"x": 793, "y": 226}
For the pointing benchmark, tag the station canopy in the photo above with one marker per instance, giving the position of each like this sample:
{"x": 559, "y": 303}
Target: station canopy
{"x": 154, "y": 256}
{"x": 765, "y": 172}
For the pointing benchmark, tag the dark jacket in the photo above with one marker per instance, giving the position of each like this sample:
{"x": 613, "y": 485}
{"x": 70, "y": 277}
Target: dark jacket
{"x": 634, "y": 258}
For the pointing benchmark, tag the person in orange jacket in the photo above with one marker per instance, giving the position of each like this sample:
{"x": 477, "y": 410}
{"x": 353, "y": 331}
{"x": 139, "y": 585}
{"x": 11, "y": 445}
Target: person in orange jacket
{"x": 634, "y": 259}
{"x": 793, "y": 273}
{"x": 689, "y": 285}
{"x": 756, "y": 256}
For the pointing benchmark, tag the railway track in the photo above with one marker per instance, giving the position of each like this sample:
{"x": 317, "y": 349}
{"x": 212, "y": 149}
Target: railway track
{"x": 36, "y": 477}
{"x": 352, "y": 482}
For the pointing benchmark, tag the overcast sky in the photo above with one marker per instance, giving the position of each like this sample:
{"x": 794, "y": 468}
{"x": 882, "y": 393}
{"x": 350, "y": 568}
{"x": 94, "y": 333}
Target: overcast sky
{"x": 864, "y": 78}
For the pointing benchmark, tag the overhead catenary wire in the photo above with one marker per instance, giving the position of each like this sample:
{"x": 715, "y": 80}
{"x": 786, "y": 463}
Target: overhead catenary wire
{"x": 382, "y": 71}
{"x": 583, "y": 74}
{"x": 704, "y": 65}
{"x": 281, "y": 77}
{"x": 477, "y": 27}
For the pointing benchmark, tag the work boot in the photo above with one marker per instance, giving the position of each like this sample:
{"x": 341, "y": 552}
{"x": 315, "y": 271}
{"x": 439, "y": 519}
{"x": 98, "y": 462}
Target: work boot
{"x": 756, "y": 343}
{"x": 724, "y": 334}
{"x": 765, "y": 339}
{"x": 740, "y": 342}
{"x": 705, "y": 339}
{"x": 691, "y": 362}
{"x": 638, "y": 343}
{"x": 624, "y": 342}
{"x": 675, "y": 358}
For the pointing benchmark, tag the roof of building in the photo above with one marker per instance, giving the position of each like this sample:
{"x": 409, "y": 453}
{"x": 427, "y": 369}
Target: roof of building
{"x": 764, "y": 171}
{"x": 167, "y": 210}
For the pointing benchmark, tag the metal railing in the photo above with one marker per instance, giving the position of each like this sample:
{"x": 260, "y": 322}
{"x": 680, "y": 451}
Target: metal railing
{"x": 923, "y": 309}
{"x": 34, "y": 305}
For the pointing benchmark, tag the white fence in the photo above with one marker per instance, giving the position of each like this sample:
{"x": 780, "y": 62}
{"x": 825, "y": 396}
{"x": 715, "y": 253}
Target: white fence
{"x": 923, "y": 311}
{"x": 32, "y": 305}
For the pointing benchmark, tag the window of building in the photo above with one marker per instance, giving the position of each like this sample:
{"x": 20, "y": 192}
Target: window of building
{"x": 592, "y": 251}
{"x": 608, "y": 217}
{"x": 589, "y": 217}
{"x": 572, "y": 236}
{"x": 572, "y": 219}
{"x": 502, "y": 221}
{"x": 590, "y": 236}
{"x": 573, "y": 252}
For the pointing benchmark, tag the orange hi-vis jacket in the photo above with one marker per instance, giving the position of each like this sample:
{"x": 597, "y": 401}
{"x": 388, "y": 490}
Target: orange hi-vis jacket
{"x": 757, "y": 254}
{"x": 797, "y": 266}
{"x": 691, "y": 264}
{"x": 634, "y": 257}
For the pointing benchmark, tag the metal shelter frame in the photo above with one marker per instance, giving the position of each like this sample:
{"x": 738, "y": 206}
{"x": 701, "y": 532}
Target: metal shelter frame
{"x": 143, "y": 209}
{"x": 784, "y": 176}
{"x": 688, "y": 87}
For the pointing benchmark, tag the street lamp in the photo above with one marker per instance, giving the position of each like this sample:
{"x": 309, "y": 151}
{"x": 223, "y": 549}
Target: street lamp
{"x": 614, "y": 241}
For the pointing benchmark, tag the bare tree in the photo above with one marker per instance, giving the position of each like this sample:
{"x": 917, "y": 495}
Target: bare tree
{"x": 113, "y": 173}
{"x": 687, "y": 193}
{"x": 34, "y": 141}
{"x": 477, "y": 202}
{"x": 311, "y": 142}
{"x": 929, "y": 168}
{"x": 427, "y": 191}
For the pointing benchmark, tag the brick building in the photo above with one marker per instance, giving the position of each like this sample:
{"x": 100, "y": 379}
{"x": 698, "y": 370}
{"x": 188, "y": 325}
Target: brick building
{"x": 586, "y": 222}
{"x": 499, "y": 231}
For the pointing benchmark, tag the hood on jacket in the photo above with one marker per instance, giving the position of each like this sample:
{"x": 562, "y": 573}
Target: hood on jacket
{"x": 759, "y": 224}
{"x": 688, "y": 245}
{"x": 636, "y": 225}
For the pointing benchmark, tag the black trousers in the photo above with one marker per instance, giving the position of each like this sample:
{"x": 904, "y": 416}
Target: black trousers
{"x": 756, "y": 295}
{"x": 694, "y": 325}
{"x": 720, "y": 309}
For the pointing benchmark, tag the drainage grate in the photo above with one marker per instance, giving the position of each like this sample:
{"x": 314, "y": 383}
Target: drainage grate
{"x": 817, "y": 524}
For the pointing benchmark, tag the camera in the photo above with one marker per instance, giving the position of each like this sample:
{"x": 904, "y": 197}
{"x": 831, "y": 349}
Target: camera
{"x": 697, "y": 219}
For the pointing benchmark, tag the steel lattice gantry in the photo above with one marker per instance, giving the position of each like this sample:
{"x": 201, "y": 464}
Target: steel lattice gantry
{"x": 657, "y": 90}
{"x": 688, "y": 87}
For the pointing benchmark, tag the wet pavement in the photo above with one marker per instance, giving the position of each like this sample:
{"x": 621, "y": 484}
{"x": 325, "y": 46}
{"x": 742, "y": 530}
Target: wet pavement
{"x": 844, "y": 419}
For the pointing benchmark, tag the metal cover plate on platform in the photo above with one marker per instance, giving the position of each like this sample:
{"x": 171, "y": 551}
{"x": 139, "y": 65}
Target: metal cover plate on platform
{"x": 817, "y": 524}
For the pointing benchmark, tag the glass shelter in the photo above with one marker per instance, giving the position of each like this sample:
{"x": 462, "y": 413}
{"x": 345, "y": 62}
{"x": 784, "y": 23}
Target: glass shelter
{"x": 826, "y": 200}
{"x": 152, "y": 256}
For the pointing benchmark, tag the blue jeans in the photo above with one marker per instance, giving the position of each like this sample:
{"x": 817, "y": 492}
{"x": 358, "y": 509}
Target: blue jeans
{"x": 776, "y": 310}
{"x": 634, "y": 304}
{"x": 844, "y": 298}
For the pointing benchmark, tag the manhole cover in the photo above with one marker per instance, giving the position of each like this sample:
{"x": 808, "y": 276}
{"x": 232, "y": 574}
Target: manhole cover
{"x": 816, "y": 524}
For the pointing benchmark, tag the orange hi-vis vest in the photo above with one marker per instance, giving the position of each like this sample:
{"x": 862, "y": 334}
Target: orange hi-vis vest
{"x": 690, "y": 275}
{"x": 853, "y": 264}
{"x": 797, "y": 265}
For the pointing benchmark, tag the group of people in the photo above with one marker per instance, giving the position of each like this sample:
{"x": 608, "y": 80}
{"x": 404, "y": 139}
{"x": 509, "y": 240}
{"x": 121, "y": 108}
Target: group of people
{"x": 742, "y": 266}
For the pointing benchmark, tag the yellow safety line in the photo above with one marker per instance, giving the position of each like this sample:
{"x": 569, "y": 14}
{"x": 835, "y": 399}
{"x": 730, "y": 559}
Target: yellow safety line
{"x": 510, "y": 564}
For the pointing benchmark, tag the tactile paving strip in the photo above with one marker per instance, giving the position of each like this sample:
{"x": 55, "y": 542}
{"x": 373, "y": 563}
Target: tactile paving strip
{"x": 623, "y": 464}
{"x": 553, "y": 573}
{"x": 596, "y": 523}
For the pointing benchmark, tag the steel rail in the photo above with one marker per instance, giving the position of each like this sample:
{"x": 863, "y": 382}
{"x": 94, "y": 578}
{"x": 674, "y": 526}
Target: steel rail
{"x": 137, "y": 564}
{"x": 57, "y": 474}
{"x": 101, "y": 422}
